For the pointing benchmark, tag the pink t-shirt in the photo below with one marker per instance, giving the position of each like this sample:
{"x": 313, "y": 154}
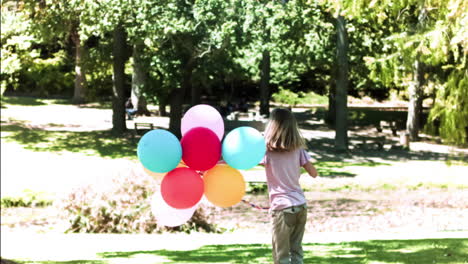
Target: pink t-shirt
{"x": 283, "y": 172}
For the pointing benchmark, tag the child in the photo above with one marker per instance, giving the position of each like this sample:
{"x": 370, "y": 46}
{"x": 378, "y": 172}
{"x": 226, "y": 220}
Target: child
{"x": 283, "y": 159}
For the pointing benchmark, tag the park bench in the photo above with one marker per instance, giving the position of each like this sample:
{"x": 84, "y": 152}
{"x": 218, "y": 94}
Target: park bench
{"x": 392, "y": 125}
{"x": 142, "y": 128}
{"x": 366, "y": 142}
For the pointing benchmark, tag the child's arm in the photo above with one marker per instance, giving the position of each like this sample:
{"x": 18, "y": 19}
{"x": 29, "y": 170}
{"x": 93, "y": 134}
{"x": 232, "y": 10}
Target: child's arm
{"x": 309, "y": 167}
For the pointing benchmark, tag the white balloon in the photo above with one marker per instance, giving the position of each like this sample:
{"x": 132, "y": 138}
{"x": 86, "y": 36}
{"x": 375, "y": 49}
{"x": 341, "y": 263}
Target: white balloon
{"x": 167, "y": 215}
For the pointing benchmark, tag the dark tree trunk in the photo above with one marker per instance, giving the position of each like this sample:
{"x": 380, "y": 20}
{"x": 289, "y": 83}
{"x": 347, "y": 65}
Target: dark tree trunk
{"x": 413, "y": 122}
{"x": 139, "y": 80}
{"x": 341, "y": 124}
{"x": 415, "y": 90}
{"x": 331, "y": 115}
{"x": 196, "y": 95}
{"x": 119, "y": 53}
{"x": 79, "y": 93}
{"x": 265, "y": 84}
{"x": 162, "y": 107}
{"x": 177, "y": 98}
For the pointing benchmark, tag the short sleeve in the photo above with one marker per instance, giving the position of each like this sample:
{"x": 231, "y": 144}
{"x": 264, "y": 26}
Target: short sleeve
{"x": 264, "y": 161}
{"x": 304, "y": 157}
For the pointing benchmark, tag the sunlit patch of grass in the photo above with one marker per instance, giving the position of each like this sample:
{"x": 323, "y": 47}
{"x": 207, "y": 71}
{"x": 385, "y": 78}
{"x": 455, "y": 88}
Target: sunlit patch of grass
{"x": 372, "y": 251}
{"x": 437, "y": 185}
{"x": 338, "y": 168}
{"x": 457, "y": 161}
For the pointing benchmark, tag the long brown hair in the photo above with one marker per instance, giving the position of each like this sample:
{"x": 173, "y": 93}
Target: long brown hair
{"x": 282, "y": 133}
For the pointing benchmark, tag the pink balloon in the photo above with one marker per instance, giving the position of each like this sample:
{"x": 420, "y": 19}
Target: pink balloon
{"x": 203, "y": 115}
{"x": 169, "y": 216}
{"x": 201, "y": 149}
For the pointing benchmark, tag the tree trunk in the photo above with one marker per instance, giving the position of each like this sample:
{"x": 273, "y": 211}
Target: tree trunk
{"x": 79, "y": 93}
{"x": 162, "y": 107}
{"x": 119, "y": 125}
{"x": 177, "y": 98}
{"x": 196, "y": 95}
{"x": 139, "y": 80}
{"x": 331, "y": 115}
{"x": 265, "y": 84}
{"x": 413, "y": 122}
{"x": 341, "y": 124}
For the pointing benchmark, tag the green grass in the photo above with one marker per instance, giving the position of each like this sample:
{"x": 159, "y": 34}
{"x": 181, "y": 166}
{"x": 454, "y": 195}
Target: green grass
{"x": 28, "y": 198}
{"x": 30, "y": 101}
{"x": 419, "y": 251}
{"x": 338, "y": 168}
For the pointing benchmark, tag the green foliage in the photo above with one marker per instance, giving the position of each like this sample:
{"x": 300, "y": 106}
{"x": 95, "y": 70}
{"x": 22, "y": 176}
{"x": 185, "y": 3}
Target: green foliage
{"x": 124, "y": 206}
{"x": 25, "y": 68}
{"x": 256, "y": 188}
{"x": 291, "y": 98}
{"x": 286, "y": 97}
{"x": 16, "y": 47}
{"x": 46, "y": 76}
{"x": 449, "y": 116}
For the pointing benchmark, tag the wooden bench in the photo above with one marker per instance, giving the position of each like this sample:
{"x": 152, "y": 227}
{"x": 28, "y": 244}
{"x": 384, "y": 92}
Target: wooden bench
{"x": 392, "y": 125}
{"x": 142, "y": 128}
{"x": 367, "y": 141}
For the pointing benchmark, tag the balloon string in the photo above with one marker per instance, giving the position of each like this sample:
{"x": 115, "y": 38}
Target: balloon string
{"x": 255, "y": 206}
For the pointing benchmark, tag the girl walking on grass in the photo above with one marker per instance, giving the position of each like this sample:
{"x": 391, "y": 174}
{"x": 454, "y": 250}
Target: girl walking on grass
{"x": 285, "y": 156}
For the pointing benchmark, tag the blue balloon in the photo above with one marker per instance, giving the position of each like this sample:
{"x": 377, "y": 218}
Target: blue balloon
{"x": 243, "y": 148}
{"x": 159, "y": 151}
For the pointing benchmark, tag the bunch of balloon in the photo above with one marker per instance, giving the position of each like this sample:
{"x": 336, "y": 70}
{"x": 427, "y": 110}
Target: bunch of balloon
{"x": 193, "y": 167}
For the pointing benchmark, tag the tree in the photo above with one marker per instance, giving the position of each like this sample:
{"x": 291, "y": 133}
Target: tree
{"x": 119, "y": 52}
{"x": 341, "y": 128}
{"x": 425, "y": 35}
{"x": 59, "y": 21}
{"x": 184, "y": 39}
{"x": 139, "y": 79}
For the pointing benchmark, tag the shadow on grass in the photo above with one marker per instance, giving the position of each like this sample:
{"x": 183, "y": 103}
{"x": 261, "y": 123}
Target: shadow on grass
{"x": 31, "y": 101}
{"x": 324, "y": 150}
{"x": 35, "y": 101}
{"x": 385, "y": 251}
{"x": 100, "y": 143}
{"x": 365, "y": 118}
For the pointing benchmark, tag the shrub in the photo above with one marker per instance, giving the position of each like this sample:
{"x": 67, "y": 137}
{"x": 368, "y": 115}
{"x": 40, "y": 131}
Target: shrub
{"x": 123, "y": 207}
{"x": 291, "y": 98}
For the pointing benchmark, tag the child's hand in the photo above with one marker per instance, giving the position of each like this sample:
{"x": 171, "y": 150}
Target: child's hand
{"x": 310, "y": 169}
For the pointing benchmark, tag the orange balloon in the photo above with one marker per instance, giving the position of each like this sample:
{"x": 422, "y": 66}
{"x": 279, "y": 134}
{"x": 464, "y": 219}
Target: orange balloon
{"x": 156, "y": 175}
{"x": 159, "y": 176}
{"x": 224, "y": 185}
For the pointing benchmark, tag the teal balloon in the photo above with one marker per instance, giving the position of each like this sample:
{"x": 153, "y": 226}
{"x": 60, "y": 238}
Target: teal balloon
{"x": 159, "y": 151}
{"x": 243, "y": 148}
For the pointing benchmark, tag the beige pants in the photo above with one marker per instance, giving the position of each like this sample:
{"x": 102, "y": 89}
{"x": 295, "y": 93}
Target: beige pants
{"x": 288, "y": 226}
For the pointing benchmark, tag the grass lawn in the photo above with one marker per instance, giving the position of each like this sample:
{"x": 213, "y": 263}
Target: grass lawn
{"x": 418, "y": 251}
{"x": 48, "y": 151}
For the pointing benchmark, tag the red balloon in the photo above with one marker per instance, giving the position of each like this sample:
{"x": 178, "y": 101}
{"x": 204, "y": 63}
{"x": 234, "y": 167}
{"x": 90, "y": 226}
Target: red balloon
{"x": 201, "y": 148}
{"x": 182, "y": 188}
